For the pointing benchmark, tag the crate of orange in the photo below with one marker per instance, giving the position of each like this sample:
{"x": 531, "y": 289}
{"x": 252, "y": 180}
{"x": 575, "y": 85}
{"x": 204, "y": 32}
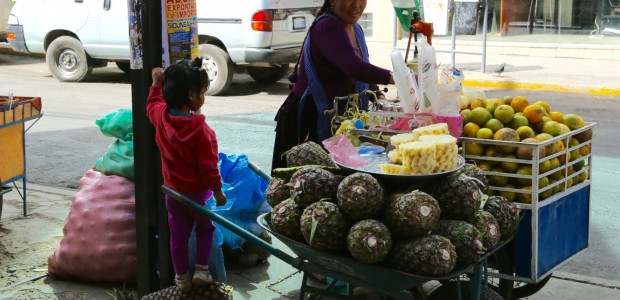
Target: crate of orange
{"x": 542, "y": 160}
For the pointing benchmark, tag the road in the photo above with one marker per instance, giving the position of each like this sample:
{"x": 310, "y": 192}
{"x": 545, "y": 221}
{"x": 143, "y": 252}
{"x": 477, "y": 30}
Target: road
{"x": 66, "y": 142}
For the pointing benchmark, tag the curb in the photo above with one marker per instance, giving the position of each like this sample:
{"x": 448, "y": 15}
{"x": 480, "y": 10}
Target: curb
{"x": 552, "y": 87}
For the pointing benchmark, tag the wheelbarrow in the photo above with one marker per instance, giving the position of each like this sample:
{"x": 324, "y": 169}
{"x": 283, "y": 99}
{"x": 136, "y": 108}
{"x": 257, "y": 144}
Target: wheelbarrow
{"x": 379, "y": 279}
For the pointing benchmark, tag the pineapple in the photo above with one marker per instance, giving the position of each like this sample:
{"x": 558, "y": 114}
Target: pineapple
{"x": 464, "y": 236}
{"x": 433, "y": 129}
{"x": 412, "y": 214}
{"x": 459, "y": 196}
{"x": 311, "y": 184}
{"x": 446, "y": 151}
{"x": 393, "y": 169}
{"x": 485, "y": 222}
{"x": 324, "y": 227}
{"x": 401, "y": 138}
{"x": 476, "y": 172}
{"x": 430, "y": 255}
{"x": 285, "y": 219}
{"x": 360, "y": 196}
{"x": 506, "y": 213}
{"x": 395, "y": 157}
{"x": 369, "y": 241}
{"x": 277, "y": 191}
{"x": 308, "y": 153}
{"x": 214, "y": 291}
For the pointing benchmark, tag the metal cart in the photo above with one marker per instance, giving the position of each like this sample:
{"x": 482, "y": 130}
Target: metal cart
{"x": 542, "y": 243}
{"x": 14, "y": 113}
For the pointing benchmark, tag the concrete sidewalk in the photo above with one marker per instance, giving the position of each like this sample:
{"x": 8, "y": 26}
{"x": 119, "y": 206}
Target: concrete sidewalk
{"x": 28, "y": 241}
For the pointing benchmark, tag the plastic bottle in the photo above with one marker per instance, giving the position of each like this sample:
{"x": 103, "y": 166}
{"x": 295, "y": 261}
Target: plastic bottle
{"x": 406, "y": 85}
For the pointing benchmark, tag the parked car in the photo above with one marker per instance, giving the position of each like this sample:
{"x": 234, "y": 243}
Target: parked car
{"x": 5, "y": 9}
{"x": 79, "y": 35}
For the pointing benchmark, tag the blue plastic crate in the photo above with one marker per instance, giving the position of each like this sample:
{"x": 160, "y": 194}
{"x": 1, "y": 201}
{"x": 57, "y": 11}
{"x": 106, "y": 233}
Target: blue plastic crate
{"x": 562, "y": 230}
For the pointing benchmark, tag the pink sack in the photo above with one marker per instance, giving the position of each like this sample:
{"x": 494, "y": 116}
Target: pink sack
{"x": 99, "y": 243}
{"x": 455, "y": 124}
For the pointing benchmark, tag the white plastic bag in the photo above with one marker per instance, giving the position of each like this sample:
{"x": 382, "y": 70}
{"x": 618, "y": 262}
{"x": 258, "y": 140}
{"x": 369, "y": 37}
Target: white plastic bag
{"x": 406, "y": 85}
{"x": 427, "y": 74}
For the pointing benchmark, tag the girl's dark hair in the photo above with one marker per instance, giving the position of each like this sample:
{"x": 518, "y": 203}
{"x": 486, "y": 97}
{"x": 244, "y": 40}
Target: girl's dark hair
{"x": 181, "y": 79}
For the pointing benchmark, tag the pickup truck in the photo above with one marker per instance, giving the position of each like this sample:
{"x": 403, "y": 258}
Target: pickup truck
{"x": 79, "y": 35}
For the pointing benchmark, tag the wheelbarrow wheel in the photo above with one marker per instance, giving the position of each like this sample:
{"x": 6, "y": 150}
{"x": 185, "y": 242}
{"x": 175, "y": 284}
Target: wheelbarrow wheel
{"x": 450, "y": 290}
{"x": 524, "y": 289}
{"x": 501, "y": 262}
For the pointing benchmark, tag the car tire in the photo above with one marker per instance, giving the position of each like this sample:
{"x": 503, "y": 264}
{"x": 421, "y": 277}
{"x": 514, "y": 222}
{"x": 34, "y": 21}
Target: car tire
{"x": 124, "y": 66}
{"x": 268, "y": 74}
{"x": 219, "y": 67}
{"x": 67, "y": 60}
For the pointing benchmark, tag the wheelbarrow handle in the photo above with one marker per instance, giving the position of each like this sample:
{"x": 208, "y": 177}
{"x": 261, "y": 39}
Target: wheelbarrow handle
{"x": 250, "y": 237}
{"x": 259, "y": 172}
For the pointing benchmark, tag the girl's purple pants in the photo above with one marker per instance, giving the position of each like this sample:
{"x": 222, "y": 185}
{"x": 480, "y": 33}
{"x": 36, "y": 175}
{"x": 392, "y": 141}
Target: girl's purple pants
{"x": 181, "y": 221}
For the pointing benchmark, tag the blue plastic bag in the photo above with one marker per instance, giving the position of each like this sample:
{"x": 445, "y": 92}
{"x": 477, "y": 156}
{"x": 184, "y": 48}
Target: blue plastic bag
{"x": 245, "y": 191}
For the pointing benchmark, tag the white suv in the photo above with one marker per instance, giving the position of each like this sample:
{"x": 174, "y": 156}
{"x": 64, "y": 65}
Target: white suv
{"x": 79, "y": 35}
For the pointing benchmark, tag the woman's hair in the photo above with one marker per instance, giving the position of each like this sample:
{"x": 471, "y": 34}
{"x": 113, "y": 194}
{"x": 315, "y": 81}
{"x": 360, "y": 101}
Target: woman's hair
{"x": 327, "y": 5}
{"x": 181, "y": 79}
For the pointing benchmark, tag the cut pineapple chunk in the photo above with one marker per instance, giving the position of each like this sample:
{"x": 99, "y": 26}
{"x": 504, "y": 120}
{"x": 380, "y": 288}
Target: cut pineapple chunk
{"x": 417, "y": 149}
{"x": 433, "y": 129}
{"x": 401, "y": 138}
{"x": 393, "y": 169}
{"x": 395, "y": 157}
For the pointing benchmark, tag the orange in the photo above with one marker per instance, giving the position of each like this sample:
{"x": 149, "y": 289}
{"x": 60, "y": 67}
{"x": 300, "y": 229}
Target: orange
{"x": 584, "y": 150}
{"x": 507, "y": 100}
{"x": 480, "y": 115}
{"x": 563, "y": 128}
{"x": 498, "y": 180}
{"x": 525, "y": 197}
{"x": 557, "y": 116}
{"x": 539, "y": 125}
{"x": 510, "y": 196}
{"x": 544, "y": 104}
{"x": 467, "y": 115}
{"x": 509, "y": 167}
{"x": 494, "y": 125}
{"x": 506, "y": 134}
{"x": 519, "y": 103}
{"x": 552, "y": 127}
{"x": 525, "y": 132}
{"x": 474, "y": 149}
{"x": 484, "y": 133}
{"x": 534, "y": 113}
{"x": 492, "y": 152}
{"x": 573, "y": 121}
{"x": 518, "y": 121}
{"x": 504, "y": 113}
{"x": 493, "y": 104}
{"x": 525, "y": 170}
{"x": 470, "y": 129}
{"x": 476, "y": 103}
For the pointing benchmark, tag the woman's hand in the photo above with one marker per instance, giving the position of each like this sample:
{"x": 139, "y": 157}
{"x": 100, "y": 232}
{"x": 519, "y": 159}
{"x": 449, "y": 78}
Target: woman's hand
{"x": 158, "y": 76}
{"x": 391, "y": 78}
{"x": 220, "y": 198}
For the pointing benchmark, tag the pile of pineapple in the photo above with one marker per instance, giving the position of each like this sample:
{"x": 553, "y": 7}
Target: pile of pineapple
{"x": 561, "y": 142}
{"x": 426, "y": 150}
{"x": 424, "y": 231}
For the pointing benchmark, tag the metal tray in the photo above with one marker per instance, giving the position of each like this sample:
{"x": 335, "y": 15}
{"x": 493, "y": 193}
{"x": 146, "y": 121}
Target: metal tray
{"x": 375, "y": 159}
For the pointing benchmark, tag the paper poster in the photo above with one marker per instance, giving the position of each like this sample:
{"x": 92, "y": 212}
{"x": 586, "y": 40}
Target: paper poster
{"x": 436, "y": 12}
{"x": 135, "y": 34}
{"x": 179, "y": 30}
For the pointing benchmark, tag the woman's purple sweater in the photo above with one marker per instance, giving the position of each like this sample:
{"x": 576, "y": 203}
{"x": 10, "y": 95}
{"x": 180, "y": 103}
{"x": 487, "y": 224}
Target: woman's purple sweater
{"x": 336, "y": 63}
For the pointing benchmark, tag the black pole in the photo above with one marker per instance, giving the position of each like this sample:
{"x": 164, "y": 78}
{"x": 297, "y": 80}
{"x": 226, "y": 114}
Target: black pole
{"x": 154, "y": 266}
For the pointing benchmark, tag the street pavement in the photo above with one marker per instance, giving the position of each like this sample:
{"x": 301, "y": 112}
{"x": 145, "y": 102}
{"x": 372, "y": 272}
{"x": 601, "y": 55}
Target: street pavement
{"x": 48, "y": 206}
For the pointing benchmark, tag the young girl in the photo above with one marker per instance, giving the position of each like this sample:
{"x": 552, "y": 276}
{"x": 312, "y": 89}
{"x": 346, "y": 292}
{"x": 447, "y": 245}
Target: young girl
{"x": 189, "y": 157}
